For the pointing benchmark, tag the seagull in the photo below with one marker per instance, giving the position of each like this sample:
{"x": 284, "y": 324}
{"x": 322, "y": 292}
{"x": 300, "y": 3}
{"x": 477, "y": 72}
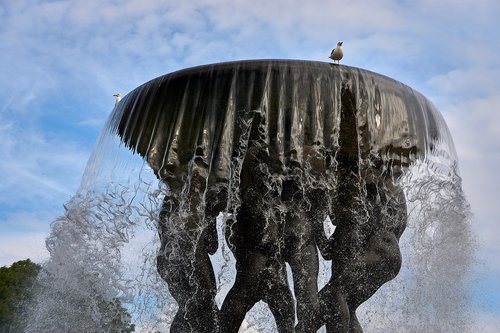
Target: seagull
{"x": 337, "y": 53}
{"x": 118, "y": 98}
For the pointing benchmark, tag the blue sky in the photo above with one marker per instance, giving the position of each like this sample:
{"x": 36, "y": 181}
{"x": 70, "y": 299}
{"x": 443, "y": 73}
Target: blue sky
{"x": 61, "y": 62}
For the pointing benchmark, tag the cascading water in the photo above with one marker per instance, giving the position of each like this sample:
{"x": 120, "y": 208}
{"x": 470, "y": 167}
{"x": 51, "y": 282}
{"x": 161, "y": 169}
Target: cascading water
{"x": 285, "y": 184}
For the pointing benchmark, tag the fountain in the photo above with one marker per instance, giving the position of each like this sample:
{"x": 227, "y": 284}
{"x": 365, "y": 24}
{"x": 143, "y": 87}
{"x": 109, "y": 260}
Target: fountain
{"x": 267, "y": 195}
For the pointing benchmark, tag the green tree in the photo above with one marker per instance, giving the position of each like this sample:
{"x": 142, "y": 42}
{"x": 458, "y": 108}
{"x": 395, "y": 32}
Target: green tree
{"x": 16, "y": 289}
{"x": 119, "y": 318}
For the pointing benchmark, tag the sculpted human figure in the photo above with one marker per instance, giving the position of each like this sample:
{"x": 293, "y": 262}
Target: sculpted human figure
{"x": 363, "y": 257}
{"x": 359, "y": 121}
{"x": 188, "y": 235}
{"x": 306, "y": 197}
{"x": 369, "y": 213}
{"x": 255, "y": 239}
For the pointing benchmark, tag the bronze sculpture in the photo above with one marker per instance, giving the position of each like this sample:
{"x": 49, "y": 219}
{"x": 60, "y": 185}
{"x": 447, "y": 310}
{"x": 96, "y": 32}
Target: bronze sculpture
{"x": 280, "y": 145}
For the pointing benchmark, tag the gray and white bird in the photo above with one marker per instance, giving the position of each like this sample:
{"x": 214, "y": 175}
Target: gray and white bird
{"x": 337, "y": 53}
{"x": 118, "y": 98}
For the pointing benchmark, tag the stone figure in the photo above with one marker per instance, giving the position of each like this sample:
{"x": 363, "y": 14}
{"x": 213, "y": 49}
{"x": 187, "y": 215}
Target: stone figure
{"x": 254, "y": 237}
{"x": 188, "y": 235}
{"x": 324, "y": 141}
{"x": 370, "y": 215}
{"x": 305, "y": 195}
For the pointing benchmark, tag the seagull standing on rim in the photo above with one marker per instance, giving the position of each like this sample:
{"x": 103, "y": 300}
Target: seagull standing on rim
{"x": 337, "y": 53}
{"x": 118, "y": 98}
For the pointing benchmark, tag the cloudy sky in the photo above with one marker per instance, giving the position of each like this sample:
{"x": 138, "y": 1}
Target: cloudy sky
{"x": 61, "y": 62}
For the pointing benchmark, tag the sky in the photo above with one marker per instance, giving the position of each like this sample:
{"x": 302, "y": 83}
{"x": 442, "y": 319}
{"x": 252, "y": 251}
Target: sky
{"x": 61, "y": 62}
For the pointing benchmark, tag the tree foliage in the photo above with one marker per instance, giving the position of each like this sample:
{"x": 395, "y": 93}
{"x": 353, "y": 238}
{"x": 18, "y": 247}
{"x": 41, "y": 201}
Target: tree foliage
{"x": 119, "y": 318}
{"x": 16, "y": 289}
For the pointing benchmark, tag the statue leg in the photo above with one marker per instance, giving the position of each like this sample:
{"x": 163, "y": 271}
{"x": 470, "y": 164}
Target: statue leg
{"x": 179, "y": 323}
{"x": 283, "y": 309}
{"x": 244, "y": 293}
{"x": 277, "y": 294}
{"x": 336, "y": 310}
{"x": 202, "y": 309}
{"x": 354, "y": 325}
{"x": 191, "y": 282}
{"x": 305, "y": 266}
{"x": 192, "y": 285}
{"x": 178, "y": 284}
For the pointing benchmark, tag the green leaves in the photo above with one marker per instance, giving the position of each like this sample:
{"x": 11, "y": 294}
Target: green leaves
{"x": 16, "y": 289}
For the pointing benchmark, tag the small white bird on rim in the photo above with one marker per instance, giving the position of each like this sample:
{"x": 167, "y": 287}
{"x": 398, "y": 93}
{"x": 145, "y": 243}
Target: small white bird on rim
{"x": 337, "y": 53}
{"x": 118, "y": 98}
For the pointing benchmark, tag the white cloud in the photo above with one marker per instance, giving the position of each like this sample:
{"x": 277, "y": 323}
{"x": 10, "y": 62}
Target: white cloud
{"x": 487, "y": 323}
{"x": 98, "y": 45}
{"x": 469, "y": 99}
{"x": 19, "y": 247}
{"x": 465, "y": 84}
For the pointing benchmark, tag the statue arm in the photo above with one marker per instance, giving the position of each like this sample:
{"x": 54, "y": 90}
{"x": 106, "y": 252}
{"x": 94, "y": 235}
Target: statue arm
{"x": 316, "y": 214}
{"x": 325, "y": 244}
{"x": 216, "y": 199}
{"x": 210, "y": 236}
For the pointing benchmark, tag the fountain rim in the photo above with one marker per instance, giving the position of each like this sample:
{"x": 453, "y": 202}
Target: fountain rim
{"x": 270, "y": 62}
{"x": 318, "y": 68}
